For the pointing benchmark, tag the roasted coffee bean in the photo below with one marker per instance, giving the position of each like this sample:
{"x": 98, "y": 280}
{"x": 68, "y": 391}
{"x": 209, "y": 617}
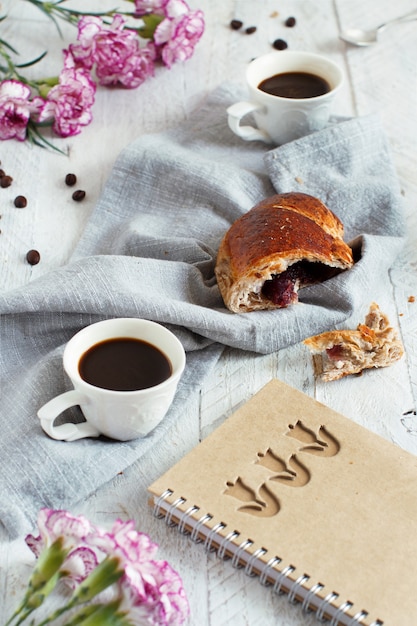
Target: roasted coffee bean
{"x": 250, "y": 30}
{"x": 280, "y": 44}
{"x": 78, "y": 195}
{"x": 236, "y": 24}
{"x": 70, "y": 179}
{"x": 5, "y": 181}
{"x": 20, "y": 202}
{"x": 33, "y": 257}
{"x": 2, "y": 173}
{"x": 290, "y": 22}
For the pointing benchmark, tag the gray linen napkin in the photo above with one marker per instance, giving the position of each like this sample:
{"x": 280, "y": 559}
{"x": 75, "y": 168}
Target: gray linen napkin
{"x": 149, "y": 251}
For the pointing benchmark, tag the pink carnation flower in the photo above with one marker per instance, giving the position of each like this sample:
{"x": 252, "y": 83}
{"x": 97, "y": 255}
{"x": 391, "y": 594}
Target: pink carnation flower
{"x": 77, "y": 533}
{"x": 69, "y": 103}
{"x": 16, "y": 109}
{"x": 115, "y": 52}
{"x": 153, "y": 594}
{"x": 142, "y": 7}
{"x": 175, "y": 8}
{"x": 150, "y": 592}
{"x": 177, "y": 37}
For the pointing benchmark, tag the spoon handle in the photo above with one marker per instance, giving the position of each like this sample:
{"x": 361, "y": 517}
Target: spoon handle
{"x": 403, "y": 18}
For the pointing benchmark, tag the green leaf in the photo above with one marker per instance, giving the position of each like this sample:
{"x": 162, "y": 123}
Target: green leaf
{"x": 35, "y": 137}
{"x": 47, "y": 8}
{"x": 8, "y": 46}
{"x": 29, "y": 63}
{"x": 151, "y": 22}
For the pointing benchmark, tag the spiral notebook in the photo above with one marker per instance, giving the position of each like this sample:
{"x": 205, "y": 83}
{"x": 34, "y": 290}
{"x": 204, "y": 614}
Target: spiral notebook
{"x": 315, "y": 505}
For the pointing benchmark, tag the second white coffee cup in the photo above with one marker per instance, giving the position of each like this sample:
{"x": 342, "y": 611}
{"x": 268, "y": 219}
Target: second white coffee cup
{"x": 115, "y": 412}
{"x": 281, "y": 119}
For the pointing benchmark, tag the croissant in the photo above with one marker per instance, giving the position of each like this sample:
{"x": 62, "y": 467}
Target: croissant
{"x": 284, "y": 243}
{"x": 339, "y": 353}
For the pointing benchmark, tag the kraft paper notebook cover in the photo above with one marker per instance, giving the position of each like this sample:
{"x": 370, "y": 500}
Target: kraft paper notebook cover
{"x": 311, "y": 502}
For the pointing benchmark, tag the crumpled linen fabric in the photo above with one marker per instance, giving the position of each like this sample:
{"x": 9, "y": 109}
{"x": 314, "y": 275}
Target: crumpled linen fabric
{"x": 149, "y": 251}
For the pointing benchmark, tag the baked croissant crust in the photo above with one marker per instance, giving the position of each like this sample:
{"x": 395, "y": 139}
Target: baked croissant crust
{"x": 339, "y": 353}
{"x": 284, "y": 243}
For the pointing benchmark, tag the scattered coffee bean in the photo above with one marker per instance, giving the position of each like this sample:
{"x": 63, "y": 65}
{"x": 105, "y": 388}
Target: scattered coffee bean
{"x": 78, "y": 195}
{"x": 280, "y": 44}
{"x": 33, "y": 257}
{"x": 70, "y": 179}
{"x": 290, "y": 22}
{"x": 5, "y": 181}
{"x": 2, "y": 173}
{"x": 250, "y": 30}
{"x": 236, "y": 24}
{"x": 20, "y": 202}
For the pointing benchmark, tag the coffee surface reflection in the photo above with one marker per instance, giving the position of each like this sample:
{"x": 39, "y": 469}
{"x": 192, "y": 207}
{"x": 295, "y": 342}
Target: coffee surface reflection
{"x": 298, "y": 85}
{"x": 124, "y": 364}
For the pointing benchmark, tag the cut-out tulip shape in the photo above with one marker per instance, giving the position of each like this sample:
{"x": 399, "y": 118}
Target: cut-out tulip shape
{"x": 291, "y": 472}
{"x": 322, "y": 443}
{"x": 262, "y": 503}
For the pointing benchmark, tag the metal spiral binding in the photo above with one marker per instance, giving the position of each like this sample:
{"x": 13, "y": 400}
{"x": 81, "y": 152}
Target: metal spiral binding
{"x": 182, "y": 526}
{"x": 222, "y": 551}
{"x": 252, "y": 561}
{"x": 236, "y": 559}
{"x": 277, "y": 588}
{"x": 340, "y": 611}
{"x": 292, "y": 595}
{"x": 263, "y": 578}
{"x": 321, "y": 609}
{"x": 195, "y": 533}
{"x": 305, "y": 607}
{"x": 157, "y": 506}
{"x": 174, "y": 505}
{"x": 356, "y": 619}
{"x": 212, "y": 535}
{"x": 319, "y": 606}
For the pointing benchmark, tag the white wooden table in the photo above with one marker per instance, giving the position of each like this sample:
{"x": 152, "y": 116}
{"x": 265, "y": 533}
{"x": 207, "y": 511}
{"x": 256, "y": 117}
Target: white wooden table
{"x": 383, "y": 79}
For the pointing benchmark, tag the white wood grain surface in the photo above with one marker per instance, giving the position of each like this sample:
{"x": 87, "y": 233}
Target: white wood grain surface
{"x": 380, "y": 79}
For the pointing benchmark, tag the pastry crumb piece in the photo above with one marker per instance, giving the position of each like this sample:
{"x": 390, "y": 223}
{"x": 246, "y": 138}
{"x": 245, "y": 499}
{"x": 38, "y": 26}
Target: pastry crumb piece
{"x": 299, "y": 180}
{"x": 411, "y": 299}
{"x": 339, "y": 353}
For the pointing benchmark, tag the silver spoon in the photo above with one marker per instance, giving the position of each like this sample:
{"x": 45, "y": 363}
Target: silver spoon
{"x": 359, "y": 37}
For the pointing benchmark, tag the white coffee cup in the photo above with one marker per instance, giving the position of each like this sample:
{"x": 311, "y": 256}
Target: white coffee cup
{"x": 282, "y": 119}
{"x": 121, "y": 415}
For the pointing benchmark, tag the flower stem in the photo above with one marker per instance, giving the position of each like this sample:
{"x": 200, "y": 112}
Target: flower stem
{"x": 104, "y": 575}
{"x": 53, "y": 10}
{"x": 99, "y": 614}
{"x": 39, "y": 140}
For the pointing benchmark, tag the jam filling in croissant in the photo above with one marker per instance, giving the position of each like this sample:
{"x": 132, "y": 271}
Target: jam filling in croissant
{"x": 282, "y": 289}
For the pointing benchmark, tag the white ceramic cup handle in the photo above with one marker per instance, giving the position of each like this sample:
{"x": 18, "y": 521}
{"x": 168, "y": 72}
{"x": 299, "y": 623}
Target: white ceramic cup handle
{"x": 65, "y": 432}
{"x": 234, "y": 115}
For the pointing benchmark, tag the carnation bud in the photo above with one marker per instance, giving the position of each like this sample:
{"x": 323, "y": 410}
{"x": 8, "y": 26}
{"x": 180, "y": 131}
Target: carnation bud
{"x": 48, "y": 564}
{"x": 104, "y": 575}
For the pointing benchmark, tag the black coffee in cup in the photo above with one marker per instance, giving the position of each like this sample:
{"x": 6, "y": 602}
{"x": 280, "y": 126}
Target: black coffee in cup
{"x": 124, "y": 364}
{"x": 298, "y": 85}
